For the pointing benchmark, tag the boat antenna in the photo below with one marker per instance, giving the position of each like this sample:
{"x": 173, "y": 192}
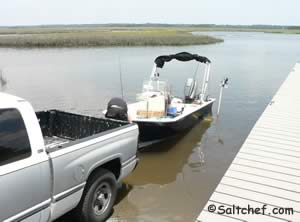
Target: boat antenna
{"x": 3, "y": 81}
{"x": 197, "y": 67}
{"x": 120, "y": 75}
{"x": 224, "y": 84}
{"x": 194, "y": 77}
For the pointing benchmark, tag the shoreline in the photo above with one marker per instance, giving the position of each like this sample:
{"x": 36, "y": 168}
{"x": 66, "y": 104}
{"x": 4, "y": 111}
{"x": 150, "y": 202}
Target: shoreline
{"x": 88, "y": 36}
{"x": 65, "y": 37}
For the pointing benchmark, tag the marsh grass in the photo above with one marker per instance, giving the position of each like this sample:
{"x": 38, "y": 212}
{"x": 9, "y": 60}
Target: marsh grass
{"x": 99, "y": 37}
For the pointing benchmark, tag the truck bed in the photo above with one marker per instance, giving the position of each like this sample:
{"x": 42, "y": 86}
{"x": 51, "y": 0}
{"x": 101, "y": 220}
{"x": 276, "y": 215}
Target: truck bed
{"x": 60, "y": 128}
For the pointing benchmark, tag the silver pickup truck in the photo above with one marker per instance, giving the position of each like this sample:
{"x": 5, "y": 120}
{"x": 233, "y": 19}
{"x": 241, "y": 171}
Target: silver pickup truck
{"x": 52, "y": 162}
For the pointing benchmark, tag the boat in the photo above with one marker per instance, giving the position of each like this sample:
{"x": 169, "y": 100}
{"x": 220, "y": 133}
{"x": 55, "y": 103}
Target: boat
{"x": 158, "y": 113}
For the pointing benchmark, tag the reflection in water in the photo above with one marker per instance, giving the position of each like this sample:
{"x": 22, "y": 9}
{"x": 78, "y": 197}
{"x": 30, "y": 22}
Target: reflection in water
{"x": 201, "y": 158}
{"x": 159, "y": 184}
{"x": 169, "y": 158}
{"x": 218, "y": 130}
{"x": 3, "y": 81}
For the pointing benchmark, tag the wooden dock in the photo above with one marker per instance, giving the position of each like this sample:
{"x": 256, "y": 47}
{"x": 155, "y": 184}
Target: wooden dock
{"x": 266, "y": 170}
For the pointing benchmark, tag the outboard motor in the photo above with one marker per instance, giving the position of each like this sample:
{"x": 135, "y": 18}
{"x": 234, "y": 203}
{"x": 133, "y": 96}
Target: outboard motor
{"x": 190, "y": 89}
{"x": 117, "y": 109}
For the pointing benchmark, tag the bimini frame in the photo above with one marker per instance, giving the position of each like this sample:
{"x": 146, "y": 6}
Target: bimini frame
{"x": 184, "y": 57}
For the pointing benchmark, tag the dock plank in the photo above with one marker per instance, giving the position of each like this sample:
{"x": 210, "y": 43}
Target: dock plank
{"x": 265, "y": 173}
{"x": 253, "y": 195}
{"x": 266, "y": 170}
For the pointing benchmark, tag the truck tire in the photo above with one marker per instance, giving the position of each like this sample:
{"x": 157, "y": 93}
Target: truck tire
{"x": 98, "y": 197}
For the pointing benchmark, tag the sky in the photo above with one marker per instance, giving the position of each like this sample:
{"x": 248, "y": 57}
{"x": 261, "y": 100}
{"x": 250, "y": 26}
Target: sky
{"x": 234, "y": 12}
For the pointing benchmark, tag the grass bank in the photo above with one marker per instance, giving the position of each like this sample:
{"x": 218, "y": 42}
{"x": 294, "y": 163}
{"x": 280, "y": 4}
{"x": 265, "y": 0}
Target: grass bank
{"x": 32, "y": 37}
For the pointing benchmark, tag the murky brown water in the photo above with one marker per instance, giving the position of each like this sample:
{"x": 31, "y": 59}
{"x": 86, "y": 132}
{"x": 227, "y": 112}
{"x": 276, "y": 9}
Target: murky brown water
{"x": 166, "y": 179}
{"x": 173, "y": 180}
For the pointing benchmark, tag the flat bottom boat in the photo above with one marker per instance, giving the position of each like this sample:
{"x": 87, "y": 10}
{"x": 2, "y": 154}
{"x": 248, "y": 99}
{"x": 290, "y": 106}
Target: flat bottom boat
{"x": 157, "y": 129}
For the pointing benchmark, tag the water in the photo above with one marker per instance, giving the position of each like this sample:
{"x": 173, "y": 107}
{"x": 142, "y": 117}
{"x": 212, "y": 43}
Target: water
{"x": 173, "y": 182}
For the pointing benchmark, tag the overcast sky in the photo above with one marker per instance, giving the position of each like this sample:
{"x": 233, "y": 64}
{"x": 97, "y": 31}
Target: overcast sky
{"x": 38, "y": 12}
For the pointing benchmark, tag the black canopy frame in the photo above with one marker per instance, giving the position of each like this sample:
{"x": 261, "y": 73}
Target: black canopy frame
{"x": 182, "y": 56}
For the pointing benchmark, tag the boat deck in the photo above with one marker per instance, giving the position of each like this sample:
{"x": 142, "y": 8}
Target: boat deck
{"x": 188, "y": 109}
{"x": 266, "y": 170}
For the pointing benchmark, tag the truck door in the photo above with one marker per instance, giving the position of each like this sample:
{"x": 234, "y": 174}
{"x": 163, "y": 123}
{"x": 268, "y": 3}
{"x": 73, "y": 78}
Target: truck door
{"x": 21, "y": 184}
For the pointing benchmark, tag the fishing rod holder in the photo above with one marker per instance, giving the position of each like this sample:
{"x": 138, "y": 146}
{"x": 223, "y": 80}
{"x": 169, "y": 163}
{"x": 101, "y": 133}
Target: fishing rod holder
{"x": 224, "y": 84}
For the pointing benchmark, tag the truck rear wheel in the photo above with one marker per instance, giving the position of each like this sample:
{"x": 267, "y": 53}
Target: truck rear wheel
{"x": 98, "y": 197}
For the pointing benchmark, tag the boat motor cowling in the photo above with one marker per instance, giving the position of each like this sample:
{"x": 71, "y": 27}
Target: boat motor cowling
{"x": 117, "y": 109}
{"x": 190, "y": 89}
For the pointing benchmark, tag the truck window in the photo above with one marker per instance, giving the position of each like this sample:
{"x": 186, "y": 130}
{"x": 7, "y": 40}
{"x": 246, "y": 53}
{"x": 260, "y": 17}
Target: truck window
{"x": 14, "y": 141}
